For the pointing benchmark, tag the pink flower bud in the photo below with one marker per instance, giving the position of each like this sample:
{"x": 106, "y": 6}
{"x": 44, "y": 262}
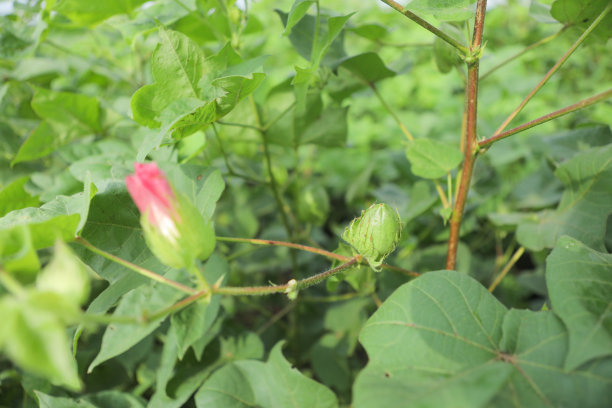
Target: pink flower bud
{"x": 174, "y": 229}
{"x": 154, "y": 197}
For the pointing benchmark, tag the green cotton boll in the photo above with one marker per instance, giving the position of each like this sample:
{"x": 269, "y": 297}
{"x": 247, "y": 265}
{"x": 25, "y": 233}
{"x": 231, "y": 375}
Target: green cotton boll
{"x": 375, "y": 234}
{"x": 313, "y": 204}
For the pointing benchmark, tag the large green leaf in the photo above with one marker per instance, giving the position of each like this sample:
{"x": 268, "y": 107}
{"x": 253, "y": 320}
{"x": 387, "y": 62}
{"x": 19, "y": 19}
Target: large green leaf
{"x": 273, "y": 384}
{"x": 433, "y": 343}
{"x": 432, "y": 159}
{"x": 584, "y": 207}
{"x": 444, "y": 340}
{"x": 92, "y": 12}
{"x": 178, "y": 64}
{"x": 580, "y": 290}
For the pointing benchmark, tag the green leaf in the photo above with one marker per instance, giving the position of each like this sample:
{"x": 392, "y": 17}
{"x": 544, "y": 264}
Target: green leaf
{"x": 104, "y": 399}
{"x": 371, "y": 31}
{"x": 302, "y": 35}
{"x": 93, "y": 12}
{"x": 15, "y": 197}
{"x": 298, "y": 10}
{"x": 177, "y": 65}
{"x": 66, "y": 115}
{"x": 142, "y": 301}
{"x": 584, "y": 207}
{"x": 580, "y": 289}
{"x": 432, "y": 159}
{"x": 17, "y": 255}
{"x": 65, "y": 275}
{"x": 193, "y": 322}
{"x": 582, "y": 13}
{"x": 38, "y": 341}
{"x": 329, "y": 129}
{"x": 367, "y": 67}
{"x": 61, "y": 218}
{"x": 449, "y": 10}
{"x": 534, "y": 344}
{"x": 272, "y": 384}
{"x": 235, "y": 88}
{"x": 433, "y": 343}
{"x": 444, "y": 340}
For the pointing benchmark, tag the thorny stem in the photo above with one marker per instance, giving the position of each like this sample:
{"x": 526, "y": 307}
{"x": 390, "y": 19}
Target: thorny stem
{"x": 306, "y": 248}
{"x": 138, "y": 269}
{"x": 543, "y": 119}
{"x": 395, "y": 5}
{"x": 523, "y": 52}
{"x": 554, "y": 69}
{"x": 517, "y": 255}
{"x": 470, "y": 148}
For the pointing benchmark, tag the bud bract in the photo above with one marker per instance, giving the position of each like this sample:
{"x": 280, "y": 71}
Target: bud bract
{"x": 174, "y": 229}
{"x": 375, "y": 234}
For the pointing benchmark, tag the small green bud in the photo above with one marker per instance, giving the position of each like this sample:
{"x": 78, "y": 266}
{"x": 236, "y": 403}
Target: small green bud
{"x": 375, "y": 234}
{"x": 313, "y": 204}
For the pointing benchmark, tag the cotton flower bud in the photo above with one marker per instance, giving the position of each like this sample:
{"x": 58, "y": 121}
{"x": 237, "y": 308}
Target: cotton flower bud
{"x": 375, "y": 234}
{"x": 173, "y": 227}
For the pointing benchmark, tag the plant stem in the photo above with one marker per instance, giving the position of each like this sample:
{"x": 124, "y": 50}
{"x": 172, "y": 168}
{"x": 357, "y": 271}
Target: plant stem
{"x": 279, "y": 116}
{"x": 543, "y": 119}
{"x": 395, "y": 5}
{"x": 291, "y": 285}
{"x": 391, "y": 112}
{"x": 306, "y": 248}
{"x": 519, "y": 252}
{"x": 273, "y": 183}
{"x": 470, "y": 142}
{"x": 523, "y": 52}
{"x": 11, "y": 284}
{"x": 138, "y": 269}
{"x": 230, "y": 169}
{"x": 554, "y": 69}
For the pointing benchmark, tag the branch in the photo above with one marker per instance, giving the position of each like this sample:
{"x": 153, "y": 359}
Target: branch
{"x": 546, "y": 118}
{"x": 328, "y": 254}
{"x": 519, "y": 252}
{"x": 471, "y": 146}
{"x": 554, "y": 69}
{"x": 395, "y": 5}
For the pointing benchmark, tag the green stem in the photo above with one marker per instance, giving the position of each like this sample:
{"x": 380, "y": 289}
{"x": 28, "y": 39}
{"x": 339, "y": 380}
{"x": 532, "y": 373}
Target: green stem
{"x": 523, "y": 52}
{"x": 342, "y": 258}
{"x": 519, "y": 252}
{"x": 279, "y": 116}
{"x": 395, "y": 5}
{"x": 194, "y": 270}
{"x": 230, "y": 168}
{"x": 393, "y": 114}
{"x": 546, "y": 118}
{"x": 138, "y": 269}
{"x": 273, "y": 183}
{"x": 291, "y": 285}
{"x": 554, "y": 69}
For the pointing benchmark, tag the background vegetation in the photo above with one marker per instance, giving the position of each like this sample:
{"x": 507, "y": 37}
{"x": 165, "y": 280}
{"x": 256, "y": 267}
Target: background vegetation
{"x": 282, "y": 121}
